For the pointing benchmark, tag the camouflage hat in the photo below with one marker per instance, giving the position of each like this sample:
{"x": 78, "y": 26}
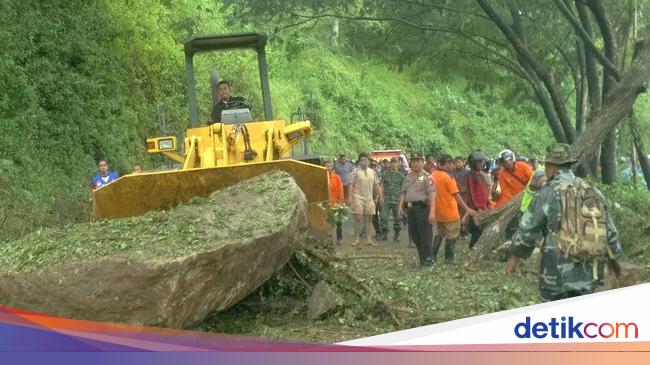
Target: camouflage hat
{"x": 558, "y": 154}
{"x": 416, "y": 156}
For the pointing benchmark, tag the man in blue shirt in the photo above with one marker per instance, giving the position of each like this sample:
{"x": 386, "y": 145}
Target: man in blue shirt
{"x": 104, "y": 176}
{"x": 343, "y": 168}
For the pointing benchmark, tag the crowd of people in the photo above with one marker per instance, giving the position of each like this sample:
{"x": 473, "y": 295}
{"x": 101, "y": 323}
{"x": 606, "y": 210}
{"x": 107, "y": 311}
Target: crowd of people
{"x": 440, "y": 200}
{"x": 376, "y": 192}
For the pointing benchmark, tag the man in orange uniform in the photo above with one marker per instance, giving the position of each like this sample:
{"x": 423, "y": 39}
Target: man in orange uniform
{"x": 513, "y": 176}
{"x": 336, "y": 196}
{"x": 447, "y": 215}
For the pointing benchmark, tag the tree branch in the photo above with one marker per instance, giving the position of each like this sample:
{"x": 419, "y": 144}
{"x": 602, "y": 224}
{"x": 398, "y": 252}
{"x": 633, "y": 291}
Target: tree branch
{"x": 588, "y": 42}
{"x": 598, "y": 10}
{"x": 503, "y": 62}
{"x": 441, "y": 7}
{"x": 540, "y": 70}
{"x": 485, "y": 47}
{"x": 377, "y": 19}
{"x": 593, "y": 80}
{"x": 581, "y": 90}
{"x": 398, "y": 20}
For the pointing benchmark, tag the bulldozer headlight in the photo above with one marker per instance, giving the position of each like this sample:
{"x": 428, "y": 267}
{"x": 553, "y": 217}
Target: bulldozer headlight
{"x": 161, "y": 144}
{"x": 166, "y": 144}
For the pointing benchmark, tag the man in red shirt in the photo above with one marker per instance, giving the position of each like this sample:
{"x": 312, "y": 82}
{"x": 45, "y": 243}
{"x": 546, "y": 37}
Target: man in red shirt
{"x": 447, "y": 215}
{"x": 513, "y": 176}
{"x": 478, "y": 192}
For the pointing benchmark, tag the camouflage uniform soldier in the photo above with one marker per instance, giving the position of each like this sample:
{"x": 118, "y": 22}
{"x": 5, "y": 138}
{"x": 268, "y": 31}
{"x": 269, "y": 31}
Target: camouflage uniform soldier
{"x": 574, "y": 268}
{"x": 392, "y": 182}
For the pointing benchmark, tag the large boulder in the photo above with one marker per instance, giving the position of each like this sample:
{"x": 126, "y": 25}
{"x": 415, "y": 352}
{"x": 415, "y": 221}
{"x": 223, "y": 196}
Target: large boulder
{"x": 168, "y": 268}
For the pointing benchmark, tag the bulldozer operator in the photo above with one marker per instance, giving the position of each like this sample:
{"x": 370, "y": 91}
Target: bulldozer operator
{"x": 226, "y": 102}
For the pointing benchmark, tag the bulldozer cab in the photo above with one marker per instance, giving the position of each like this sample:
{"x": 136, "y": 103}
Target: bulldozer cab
{"x": 222, "y": 153}
{"x": 200, "y": 44}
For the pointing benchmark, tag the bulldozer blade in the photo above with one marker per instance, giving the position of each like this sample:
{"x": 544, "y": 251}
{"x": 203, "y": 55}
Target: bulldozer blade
{"x": 136, "y": 194}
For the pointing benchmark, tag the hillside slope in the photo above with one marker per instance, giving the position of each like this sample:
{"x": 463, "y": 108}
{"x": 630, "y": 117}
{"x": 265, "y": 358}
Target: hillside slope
{"x": 83, "y": 81}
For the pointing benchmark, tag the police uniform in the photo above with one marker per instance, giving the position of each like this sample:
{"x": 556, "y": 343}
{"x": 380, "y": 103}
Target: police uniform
{"x": 559, "y": 276}
{"x": 417, "y": 190}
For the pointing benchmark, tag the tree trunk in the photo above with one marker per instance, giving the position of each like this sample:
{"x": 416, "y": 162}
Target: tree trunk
{"x": 581, "y": 100}
{"x": 538, "y": 87}
{"x": 608, "y": 163}
{"x": 493, "y": 223}
{"x": 608, "y": 149}
{"x": 335, "y": 33}
{"x": 549, "y": 111}
{"x": 617, "y": 105}
{"x": 581, "y": 89}
{"x": 641, "y": 151}
{"x": 593, "y": 80}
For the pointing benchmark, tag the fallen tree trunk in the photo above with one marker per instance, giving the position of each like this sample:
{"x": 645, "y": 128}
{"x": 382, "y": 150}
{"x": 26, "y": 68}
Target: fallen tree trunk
{"x": 615, "y": 108}
{"x": 493, "y": 223}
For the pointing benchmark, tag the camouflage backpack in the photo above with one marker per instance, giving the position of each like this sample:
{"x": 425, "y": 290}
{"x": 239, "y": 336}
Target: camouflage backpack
{"x": 583, "y": 223}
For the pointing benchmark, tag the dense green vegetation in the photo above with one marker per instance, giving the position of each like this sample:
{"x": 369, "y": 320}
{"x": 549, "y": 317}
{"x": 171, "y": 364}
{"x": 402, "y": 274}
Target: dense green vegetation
{"x": 82, "y": 81}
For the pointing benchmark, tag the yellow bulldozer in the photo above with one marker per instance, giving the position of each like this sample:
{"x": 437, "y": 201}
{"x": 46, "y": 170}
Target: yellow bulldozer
{"x": 221, "y": 153}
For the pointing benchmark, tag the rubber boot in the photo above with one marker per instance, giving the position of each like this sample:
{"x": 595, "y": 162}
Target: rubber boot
{"x": 396, "y": 237}
{"x": 450, "y": 247}
{"x": 437, "y": 241}
{"x": 472, "y": 242}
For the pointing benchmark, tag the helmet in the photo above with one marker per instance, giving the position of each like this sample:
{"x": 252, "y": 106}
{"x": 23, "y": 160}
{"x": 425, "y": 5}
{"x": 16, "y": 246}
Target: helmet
{"x": 476, "y": 156}
{"x": 506, "y": 155}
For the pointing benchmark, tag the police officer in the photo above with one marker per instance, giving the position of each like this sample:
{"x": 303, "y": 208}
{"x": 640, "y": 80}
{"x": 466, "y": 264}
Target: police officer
{"x": 418, "y": 199}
